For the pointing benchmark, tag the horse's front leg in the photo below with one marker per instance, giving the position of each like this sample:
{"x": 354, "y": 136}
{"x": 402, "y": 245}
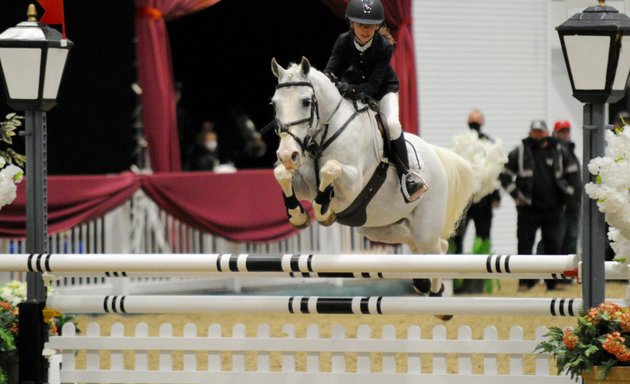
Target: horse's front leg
{"x": 298, "y": 216}
{"x": 330, "y": 172}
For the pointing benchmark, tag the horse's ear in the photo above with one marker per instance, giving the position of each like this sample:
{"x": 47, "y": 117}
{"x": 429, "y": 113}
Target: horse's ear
{"x": 306, "y": 66}
{"x": 276, "y": 68}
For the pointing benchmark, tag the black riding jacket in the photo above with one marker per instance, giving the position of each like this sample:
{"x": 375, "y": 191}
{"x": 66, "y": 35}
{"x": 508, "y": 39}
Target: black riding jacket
{"x": 368, "y": 72}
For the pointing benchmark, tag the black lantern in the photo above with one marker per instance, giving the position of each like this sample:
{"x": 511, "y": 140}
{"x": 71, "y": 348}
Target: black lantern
{"x": 593, "y": 47}
{"x": 33, "y": 57}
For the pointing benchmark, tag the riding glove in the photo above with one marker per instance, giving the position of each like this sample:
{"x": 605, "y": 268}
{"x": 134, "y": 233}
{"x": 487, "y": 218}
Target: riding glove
{"x": 345, "y": 89}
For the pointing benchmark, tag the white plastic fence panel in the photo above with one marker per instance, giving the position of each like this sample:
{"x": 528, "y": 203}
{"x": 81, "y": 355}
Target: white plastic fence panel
{"x": 464, "y": 360}
{"x": 414, "y": 360}
{"x": 490, "y": 367}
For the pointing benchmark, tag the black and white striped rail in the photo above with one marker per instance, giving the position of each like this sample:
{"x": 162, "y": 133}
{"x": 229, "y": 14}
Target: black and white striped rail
{"x": 301, "y": 265}
{"x": 373, "y": 305}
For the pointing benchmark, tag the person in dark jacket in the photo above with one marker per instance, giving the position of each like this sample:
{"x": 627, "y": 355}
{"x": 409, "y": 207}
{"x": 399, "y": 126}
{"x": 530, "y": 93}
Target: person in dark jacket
{"x": 480, "y": 213}
{"x": 361, "y": 60}
{"x": 541, "y": 177}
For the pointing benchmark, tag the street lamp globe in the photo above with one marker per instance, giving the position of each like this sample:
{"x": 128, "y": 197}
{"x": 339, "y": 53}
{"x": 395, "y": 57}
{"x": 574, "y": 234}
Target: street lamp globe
{"x": 593, "y": 47}
{"x": 33, "y": 57}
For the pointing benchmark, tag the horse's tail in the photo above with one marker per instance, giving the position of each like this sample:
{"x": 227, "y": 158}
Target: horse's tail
{"x": 461, "y": 177}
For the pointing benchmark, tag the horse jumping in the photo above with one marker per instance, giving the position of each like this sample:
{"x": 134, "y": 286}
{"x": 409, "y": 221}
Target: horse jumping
{"x": 330, "y": 149}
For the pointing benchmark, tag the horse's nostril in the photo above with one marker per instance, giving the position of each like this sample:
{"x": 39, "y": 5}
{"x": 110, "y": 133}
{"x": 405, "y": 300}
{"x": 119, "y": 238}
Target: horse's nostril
{"x": 294, "y": 156}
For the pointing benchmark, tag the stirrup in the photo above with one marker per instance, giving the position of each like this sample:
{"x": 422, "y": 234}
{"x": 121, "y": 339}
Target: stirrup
{"x": 416, "y": 194}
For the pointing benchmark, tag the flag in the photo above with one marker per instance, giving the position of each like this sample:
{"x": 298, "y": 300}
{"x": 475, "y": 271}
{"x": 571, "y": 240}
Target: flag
{"x": 53, "y": 13}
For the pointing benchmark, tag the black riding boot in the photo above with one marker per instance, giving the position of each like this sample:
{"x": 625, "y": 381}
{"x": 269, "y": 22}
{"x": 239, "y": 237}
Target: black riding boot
{"x": 411, "y": 188}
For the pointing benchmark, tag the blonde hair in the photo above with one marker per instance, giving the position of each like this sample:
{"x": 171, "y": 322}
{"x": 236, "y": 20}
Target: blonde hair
{"x": 387, "y": 34}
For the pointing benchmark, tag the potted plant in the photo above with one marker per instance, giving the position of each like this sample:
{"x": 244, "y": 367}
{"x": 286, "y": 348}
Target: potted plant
{"x": 598, "y": 349}
{"x": 11, "y": 294}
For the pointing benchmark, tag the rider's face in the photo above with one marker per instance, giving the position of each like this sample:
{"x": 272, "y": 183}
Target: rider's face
{"x": 363, "y": 33}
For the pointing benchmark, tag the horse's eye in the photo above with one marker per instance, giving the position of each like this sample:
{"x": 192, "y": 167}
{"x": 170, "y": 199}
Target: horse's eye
{"x": 306, "y": 102}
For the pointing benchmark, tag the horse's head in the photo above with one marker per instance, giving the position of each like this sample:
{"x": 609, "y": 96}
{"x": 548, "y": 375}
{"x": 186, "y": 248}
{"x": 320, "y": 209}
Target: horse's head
{"x": 297, "y": 112}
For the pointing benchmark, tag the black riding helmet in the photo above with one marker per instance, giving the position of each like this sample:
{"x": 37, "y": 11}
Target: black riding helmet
{"x": 365, "y": 12}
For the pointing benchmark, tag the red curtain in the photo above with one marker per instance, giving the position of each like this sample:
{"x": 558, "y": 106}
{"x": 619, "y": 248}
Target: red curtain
{"x": 155, "y": 74}
{"x": 398, "y": 17}
{"x": 72, "y": 200}
{"x": 245, "y": 206}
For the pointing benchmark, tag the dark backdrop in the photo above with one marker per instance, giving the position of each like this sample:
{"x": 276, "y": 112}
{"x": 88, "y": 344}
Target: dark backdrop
{"x": 89, "y": 131}
{"x": 222, "y": 55}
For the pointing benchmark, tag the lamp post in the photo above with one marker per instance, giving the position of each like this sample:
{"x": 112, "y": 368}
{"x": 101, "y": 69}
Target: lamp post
{"x": 33, "y": 57}
{"x": 592, "y": 44}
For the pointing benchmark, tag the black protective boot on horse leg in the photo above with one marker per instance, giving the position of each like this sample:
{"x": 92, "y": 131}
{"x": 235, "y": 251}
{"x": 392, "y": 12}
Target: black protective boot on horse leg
{"x": 411, "y": 189}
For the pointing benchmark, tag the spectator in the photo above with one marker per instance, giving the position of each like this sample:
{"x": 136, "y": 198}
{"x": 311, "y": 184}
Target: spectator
{"x": 186, "y": 130}
{"x": 540, "y": 176}
{"x": 481, "y": 215}
{"x": 204, "y": 154}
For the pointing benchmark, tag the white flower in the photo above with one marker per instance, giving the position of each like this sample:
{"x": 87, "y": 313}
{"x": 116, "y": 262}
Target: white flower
{"x": 487, "y": 159}
{"x": 612, "y": 191}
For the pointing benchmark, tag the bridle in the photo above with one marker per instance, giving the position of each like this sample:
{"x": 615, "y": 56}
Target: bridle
{"x": 283, "y": 128}
{"x": 308, "y": 143}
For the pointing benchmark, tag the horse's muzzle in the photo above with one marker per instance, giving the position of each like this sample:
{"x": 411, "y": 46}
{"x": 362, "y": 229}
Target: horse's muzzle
{"x": 291, "y": 159}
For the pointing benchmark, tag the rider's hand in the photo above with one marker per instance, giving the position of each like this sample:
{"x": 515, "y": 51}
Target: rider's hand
{"x": 332, "y": 77}
{"x": 346, "y": 89}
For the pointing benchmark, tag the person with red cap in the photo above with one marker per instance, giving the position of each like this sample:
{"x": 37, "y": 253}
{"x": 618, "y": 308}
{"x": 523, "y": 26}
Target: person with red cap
{"x": 569, "y": 229}
{"x": 540, "y": 176}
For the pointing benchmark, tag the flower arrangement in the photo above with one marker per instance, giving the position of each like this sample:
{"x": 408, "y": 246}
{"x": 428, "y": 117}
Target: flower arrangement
{"x": 487, "y": 159}
{"x": 10, "y": 161}
{"x": 11, "y": 294}
{"x": 601, "y": 339}
{"x": 612, "y": 189}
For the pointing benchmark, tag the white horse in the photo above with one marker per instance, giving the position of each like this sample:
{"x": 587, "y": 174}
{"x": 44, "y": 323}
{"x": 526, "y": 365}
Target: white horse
{"x": 328, "y": 153}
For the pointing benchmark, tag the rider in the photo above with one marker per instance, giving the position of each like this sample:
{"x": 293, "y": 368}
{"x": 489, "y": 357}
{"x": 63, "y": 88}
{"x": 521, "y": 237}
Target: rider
{"x": 361, "y": 59}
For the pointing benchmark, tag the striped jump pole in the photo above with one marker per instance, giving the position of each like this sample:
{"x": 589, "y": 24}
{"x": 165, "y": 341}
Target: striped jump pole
{"x": 613, "y": 271}
{"x": 303, "y": 265}
{"x": 373, "y": 305}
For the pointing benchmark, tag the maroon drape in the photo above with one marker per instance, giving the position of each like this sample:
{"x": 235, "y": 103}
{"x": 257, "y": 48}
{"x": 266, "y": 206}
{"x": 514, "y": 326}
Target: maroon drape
{"x": 155, "y": 74}
{"x": 398, "y": 16}
{"x": 244, "y": 206}
{"x": 72, "y": 200}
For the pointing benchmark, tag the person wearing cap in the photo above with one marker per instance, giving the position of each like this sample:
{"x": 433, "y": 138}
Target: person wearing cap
{"x": 540, "y": 175}
{"x": 361, "y": 58}
{"x": 569, "y": 230}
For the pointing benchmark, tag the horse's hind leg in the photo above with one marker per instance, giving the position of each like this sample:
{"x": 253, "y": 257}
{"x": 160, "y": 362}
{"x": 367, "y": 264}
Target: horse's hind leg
{"x": 298, "y": 217}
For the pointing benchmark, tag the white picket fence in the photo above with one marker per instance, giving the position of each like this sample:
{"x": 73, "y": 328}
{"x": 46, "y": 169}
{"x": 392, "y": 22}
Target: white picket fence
{"x": 365, "y": 358}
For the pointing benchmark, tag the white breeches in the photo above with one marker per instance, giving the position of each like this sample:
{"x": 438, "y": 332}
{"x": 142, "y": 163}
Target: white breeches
{"x": 388, "y": 107}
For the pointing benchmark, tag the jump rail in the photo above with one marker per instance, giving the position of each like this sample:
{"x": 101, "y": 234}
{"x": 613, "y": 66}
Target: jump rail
{"x": 303, "y": 305}
{"x": 302, "y": 265}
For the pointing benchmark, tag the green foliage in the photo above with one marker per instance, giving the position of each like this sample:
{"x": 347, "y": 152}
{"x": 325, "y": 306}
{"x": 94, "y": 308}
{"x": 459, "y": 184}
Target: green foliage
{"x": 8, "y": 130}
{"x": 602, "y": 338}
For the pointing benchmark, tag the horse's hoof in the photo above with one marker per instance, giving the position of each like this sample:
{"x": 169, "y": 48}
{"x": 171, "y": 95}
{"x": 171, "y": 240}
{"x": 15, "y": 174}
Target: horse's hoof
{"x": 301, "y": 226}
{"x": 438, "y": 293}
{"x": 444, "y": 317}
{"x": 307, "y": 221}
{"x": 329, "y": 220}
{"x": 421, "y": 286}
